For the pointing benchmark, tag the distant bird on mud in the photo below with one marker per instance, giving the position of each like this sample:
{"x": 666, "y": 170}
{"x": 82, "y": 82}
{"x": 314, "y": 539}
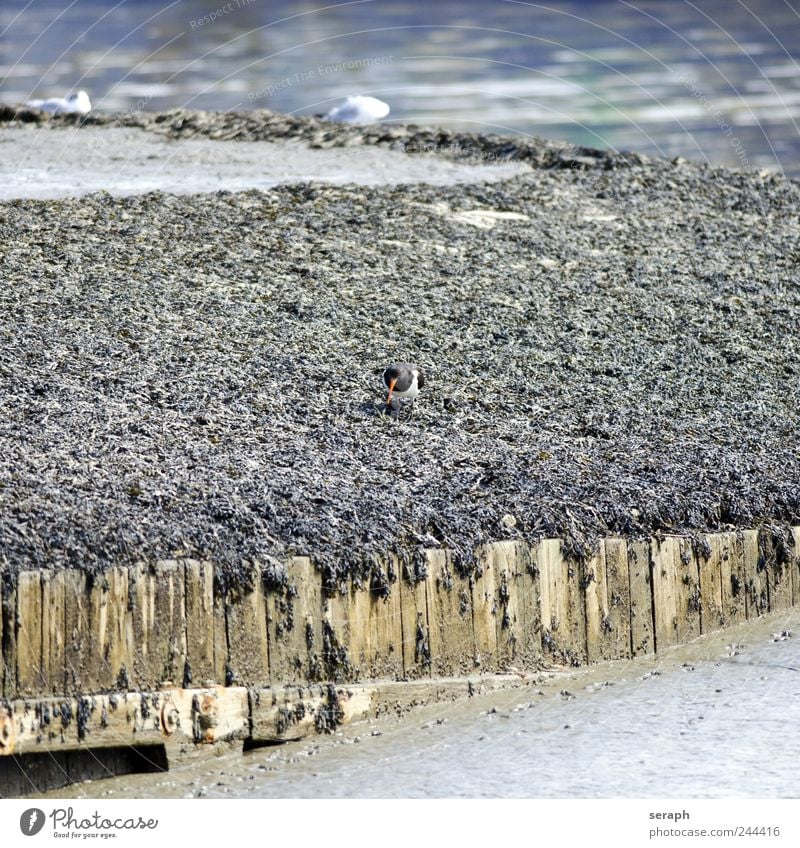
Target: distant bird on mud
{"x": 75, "y": 103}
{"x": 359, "y": 109}
{"x": 403, "y": 380}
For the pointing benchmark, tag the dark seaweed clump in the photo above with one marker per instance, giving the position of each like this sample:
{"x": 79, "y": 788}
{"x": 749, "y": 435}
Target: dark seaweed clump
{"x": 199, "y": 376}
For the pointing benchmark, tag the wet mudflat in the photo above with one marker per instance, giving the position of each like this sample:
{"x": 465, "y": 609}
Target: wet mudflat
{"x": 714, "y": 719}
{"x": 38, "y": 163}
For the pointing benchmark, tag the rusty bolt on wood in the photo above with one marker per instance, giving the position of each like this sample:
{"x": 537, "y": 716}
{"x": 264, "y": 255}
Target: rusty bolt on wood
{"x": 170, "y": 718}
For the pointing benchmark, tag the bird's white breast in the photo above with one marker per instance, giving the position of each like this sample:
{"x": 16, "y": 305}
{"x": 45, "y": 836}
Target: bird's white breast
{"x": 413, "y": 390}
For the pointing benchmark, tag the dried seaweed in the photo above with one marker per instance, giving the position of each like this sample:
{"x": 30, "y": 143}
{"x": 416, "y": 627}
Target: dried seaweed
{"x": 200, "y": 376}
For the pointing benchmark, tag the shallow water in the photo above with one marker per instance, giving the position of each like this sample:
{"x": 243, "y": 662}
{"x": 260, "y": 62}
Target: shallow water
{"x": 716, "y": 81}
{"x": 44, "y": 163}
{"x": 715, "y": 719}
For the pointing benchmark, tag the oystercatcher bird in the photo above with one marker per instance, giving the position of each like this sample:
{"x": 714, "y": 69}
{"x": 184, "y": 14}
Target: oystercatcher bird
{"x": 403, "y": 380}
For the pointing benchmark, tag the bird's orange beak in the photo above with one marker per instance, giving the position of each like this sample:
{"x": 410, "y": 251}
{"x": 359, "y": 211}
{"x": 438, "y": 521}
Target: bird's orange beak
{"x": 391, "y": 389}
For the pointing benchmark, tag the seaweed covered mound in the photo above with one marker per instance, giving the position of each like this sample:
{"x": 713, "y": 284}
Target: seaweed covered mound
{"x": 609, "y": 348}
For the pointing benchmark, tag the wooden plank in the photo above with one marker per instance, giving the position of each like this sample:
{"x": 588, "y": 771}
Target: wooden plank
{"x": 95, "y": 674}
{"x": 246, "y": 618}
{"x": 733, "y": 578}
{"x": 641, "y": 589}
{"x": 576, "y": 610}
{"x": 599, "y": 642}
{"x": 369, "y": 626}
{"x": 415, "y": 621}
{"x": 2, "y": 648}
{"x": 8, "y": 637}
{"x": 223, "y": 672}
{"x": 711, "y": 578}
{"x": 54, "y": 647}
{"x": 169, "y": 616}
{"x": 119, "y": 652}
{"x": 199, "y": 605}
{"x": 283, "y": 713}
{"x": 563, "y": 609}
{"x": 292, "y": 712}
{"x": 214, "y": 714}
{"x": 174, "y": 717}
{"x": 484, "y": 622}
{"x": 144, "y": 671}
{"x": 515, "y": 597}
{"x": 777, "y": 558}
{"x": 555, "y": 594}
{"x": 755, "y": 575}
{"x": 687, "y": 584}
{"x": 665, "y": 555}
{"x": 341, "y": 645}
{"x": 294, "y": 620}
{"x": 30, "y": 673}
{"x": 385, "y": 631}
{"x": 357, "y": 611}
{"x": 101, "y": 631}
{"x": 796, "y": 568}
{"x": 608, "y": 602}
{"x": 619, "y": 596}
{"x": 527, "y": 630}
{"x": 76, "y": 628}
{"x": 452, "y": 638}
{"x": 550, "y": 615}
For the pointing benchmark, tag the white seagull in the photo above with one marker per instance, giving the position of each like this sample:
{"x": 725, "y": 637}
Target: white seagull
{"x": 74, "y": 103}
{"x": 359, "y": 109}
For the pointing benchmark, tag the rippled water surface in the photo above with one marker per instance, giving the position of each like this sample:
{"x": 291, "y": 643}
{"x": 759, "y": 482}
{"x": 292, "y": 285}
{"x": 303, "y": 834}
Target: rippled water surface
{"x": 716, "y": 719}
{"x": 717, "y": 80}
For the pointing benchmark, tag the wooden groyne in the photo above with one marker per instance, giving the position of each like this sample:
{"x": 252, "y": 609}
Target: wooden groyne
{"x": 161, "y": 655}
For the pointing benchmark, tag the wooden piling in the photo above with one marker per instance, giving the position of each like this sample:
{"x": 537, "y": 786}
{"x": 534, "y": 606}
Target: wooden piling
{"x": 755, "y": 575}
{"x": 246, "y": 629}
{"x": 687, "y": 583}
{"x": 526, "y": 588}
{"x": 665, "y": 556}
{"x": 608, "y": 602}
{"x": 484, "y": 608}
{"x": 776, "y": 559}
{"x": 3, "y": 672}
{"x": 562, "y": 609}
{"x": 732, "y": 576}
{"x": 54, "y": 643}
{"x": 640, "y": 571}
{"x": 200, "y": 667}
{"x": 170, "y": 622}
{"x": 619, "y": 596}
{"x": 452, "y": 637}
{"x": 381, "y": 612}
{"x": 143, "y": 671}
{"x": 519, "y": 638}
{"x": 415, "y": 622}
{"x": 76, "y": 628}
{"x": 294, "y": 617}
{"x": 711, "y": 579}
{"x": 367, "y": 624}
{"x": 30, "y": 675}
